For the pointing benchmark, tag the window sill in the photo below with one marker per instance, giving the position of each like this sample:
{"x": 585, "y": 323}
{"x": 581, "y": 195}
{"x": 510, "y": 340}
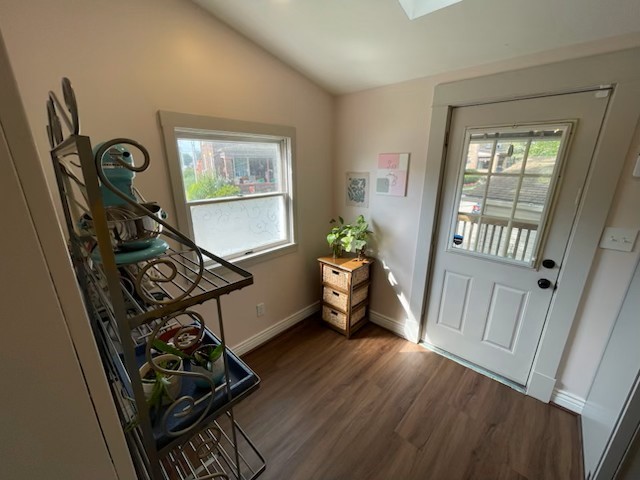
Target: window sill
{"x": 259, "y": 257}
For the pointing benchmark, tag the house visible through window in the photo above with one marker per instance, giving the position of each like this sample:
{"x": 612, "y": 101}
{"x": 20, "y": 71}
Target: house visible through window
{"x": 234, "y": 186}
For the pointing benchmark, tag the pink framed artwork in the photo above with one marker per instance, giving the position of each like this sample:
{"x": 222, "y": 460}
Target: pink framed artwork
{"x": 391, "y": 178}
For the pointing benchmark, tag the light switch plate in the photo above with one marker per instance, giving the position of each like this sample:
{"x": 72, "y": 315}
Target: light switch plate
{"x": 616, "y": 238}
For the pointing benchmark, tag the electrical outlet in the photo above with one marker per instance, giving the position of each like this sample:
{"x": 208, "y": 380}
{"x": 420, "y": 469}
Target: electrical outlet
{"x": 260, "y": 309}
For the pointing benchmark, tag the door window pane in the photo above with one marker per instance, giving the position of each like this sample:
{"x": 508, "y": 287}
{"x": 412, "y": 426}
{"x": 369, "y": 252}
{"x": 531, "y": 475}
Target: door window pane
{"x": 473, "y": 192}
{"x": 505, "y": 188}
{"x": 542, "y": 157}
{"x": 500, "y": 196}
{"x": 531, "y": 200}
{"x": 509, "y": 157}
{"x": 479, "y": 156}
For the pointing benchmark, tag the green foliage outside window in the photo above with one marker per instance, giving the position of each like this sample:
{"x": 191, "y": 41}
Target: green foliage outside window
{"x": 538, "y": 148}
{"x": 188, "y": 178}
{"x": 207, "y": 186}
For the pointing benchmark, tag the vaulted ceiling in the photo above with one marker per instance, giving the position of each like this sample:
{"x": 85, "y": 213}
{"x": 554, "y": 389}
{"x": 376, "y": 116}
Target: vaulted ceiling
{"x": 351, "y": 45}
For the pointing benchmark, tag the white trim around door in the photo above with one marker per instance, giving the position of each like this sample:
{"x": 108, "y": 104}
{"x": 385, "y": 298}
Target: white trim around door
{"x": 621, "y": 71}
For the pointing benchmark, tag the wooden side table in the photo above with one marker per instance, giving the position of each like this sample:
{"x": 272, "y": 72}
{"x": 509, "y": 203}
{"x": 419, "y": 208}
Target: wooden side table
{"x": 345, "y": 292}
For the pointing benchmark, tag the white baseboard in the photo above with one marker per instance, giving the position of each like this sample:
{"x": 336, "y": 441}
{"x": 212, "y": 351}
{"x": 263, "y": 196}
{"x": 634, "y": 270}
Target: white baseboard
{"x": 568, "y": 400}
{"x": 540, "y": 386}
{"x": 268, "y": 333}
{"x": 390, "y": 324}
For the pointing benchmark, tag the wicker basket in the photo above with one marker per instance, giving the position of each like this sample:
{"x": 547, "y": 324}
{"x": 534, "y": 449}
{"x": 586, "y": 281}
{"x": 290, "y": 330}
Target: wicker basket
{"x": 340, "y": 278}
{"x": 339, "y": 319}
{"x": 360, "y": 275}
{"x": 339, "y": 299}
{"x": 335, "y": 277}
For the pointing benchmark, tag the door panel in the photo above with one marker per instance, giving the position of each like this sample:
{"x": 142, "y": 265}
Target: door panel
{"x": 506, "y": 311}
{"x": 513, "y": 176}
{"x": 455, "y": 296}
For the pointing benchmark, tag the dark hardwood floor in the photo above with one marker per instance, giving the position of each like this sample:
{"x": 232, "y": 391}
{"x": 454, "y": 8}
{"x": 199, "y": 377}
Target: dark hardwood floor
{"x": 378, "y": 407}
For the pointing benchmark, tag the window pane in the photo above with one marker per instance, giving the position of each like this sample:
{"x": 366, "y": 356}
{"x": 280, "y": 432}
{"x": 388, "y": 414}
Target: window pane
{"x": 228, "y": 228}
{"x": 509, "y": 157}
{"x": 473, "y": 189}
{"x": 217, "y": 168}
{"x": 532, "y": 198}
{"x": 542, "y": 158}
{"x": 500, "y": 196}
{"x": 479, "y": 156}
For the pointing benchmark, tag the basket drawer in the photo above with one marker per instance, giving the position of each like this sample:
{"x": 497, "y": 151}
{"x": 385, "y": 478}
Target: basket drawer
{"x": 340, "y": 300}
{"x": 335, "y": 277}
{"x": 360, "y": 275}
{"x": 340, "y": 278}
{"x": 339, "y": 319}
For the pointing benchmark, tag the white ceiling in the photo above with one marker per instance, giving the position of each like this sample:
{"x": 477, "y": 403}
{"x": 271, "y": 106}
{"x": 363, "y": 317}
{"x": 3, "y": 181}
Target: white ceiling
{"x": 351, "y": 45}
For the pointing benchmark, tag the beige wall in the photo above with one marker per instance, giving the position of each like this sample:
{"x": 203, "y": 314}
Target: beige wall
{"x": 127, "y": 60}
{"x": 397, "y": 119}
{"x": 48, "y": 423}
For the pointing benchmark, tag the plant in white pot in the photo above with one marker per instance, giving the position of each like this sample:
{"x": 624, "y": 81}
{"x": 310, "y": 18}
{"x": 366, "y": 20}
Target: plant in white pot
{"x": 206, "y": 360}
{"x": 346, "y": 237}
{"x": 160, "y": 387}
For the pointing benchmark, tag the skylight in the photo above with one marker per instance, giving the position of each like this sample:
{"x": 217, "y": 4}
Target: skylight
{"x": 418, "y": 8}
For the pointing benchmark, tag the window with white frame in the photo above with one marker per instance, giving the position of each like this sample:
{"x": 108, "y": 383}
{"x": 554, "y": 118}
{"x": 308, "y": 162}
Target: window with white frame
{"x": 232, "y": 183}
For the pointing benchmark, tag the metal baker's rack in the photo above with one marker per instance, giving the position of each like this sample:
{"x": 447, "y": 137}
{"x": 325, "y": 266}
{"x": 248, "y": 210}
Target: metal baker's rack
{"x": 131, "y": 304}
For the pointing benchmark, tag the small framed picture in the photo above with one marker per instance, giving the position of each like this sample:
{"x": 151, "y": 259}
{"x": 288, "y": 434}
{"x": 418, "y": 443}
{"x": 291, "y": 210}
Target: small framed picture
{"x": 357, "y": 189}
{"x": 391, "y": 178}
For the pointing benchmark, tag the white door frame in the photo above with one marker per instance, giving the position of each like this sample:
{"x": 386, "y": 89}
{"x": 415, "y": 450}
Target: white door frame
{"x": 621, "y": 70}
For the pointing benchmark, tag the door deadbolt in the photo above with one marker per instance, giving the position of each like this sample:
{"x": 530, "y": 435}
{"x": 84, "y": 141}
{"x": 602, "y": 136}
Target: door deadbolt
{"x": 548, "y": 263}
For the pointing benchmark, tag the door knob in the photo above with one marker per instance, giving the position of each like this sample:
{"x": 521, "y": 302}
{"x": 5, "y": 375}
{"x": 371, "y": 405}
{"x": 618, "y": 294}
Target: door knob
{"x": 548, "y": 263}
{"x": 544, "y": 283}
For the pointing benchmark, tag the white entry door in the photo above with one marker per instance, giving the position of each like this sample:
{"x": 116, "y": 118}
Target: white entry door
{"x": 513, "y": 179}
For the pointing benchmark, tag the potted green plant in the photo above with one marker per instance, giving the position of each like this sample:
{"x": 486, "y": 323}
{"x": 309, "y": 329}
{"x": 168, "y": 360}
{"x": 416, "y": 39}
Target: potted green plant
{"x": 159, "y": 387}
{"x": 334, "y": 238}
{"x": 206, "y": 360}
{"x": 346, "y": 237}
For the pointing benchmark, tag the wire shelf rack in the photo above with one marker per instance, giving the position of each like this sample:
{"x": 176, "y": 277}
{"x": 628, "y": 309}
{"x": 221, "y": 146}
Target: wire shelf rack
{"x": 132, "y": 300}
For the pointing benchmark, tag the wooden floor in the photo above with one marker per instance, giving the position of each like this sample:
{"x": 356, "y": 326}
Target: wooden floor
{"x": 379, "y": 407}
